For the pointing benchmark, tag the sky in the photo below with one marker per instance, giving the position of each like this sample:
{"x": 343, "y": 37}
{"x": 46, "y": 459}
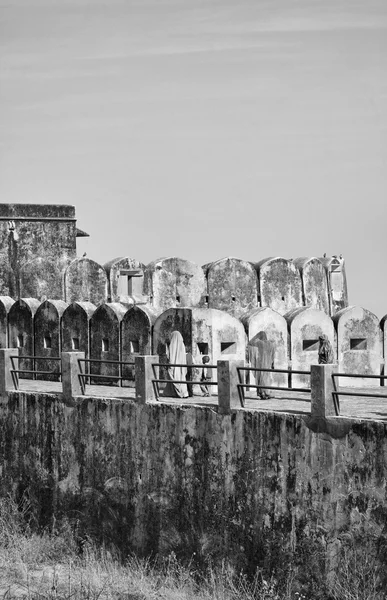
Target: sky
{"x": 203, "y": 128}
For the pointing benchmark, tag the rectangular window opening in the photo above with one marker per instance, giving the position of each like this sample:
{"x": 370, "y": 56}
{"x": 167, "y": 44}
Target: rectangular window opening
{"x": 228, "y": 347}
{"x": 75, "y": 343}
{"x": 207, "y": 299}
{"x": 105, "y": 345}
{"x": 358, "y": 344}
{"x": 310, "y": 345}
{"x": 203, "y": 347}
{"x": 178, "y": 299}
{"x": 47, "y": 341}
{"x": 233, "y": 298}
{"x": 20, "y": 341}
{"x": 134, "y": 346}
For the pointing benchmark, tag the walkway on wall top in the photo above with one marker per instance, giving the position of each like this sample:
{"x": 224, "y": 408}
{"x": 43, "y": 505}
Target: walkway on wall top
{"x": 284, "y": 402}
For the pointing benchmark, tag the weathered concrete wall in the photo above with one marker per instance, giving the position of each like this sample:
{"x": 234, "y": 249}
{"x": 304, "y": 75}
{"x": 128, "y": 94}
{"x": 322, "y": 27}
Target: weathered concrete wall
{"x": 126, "y": 280}
{"x": 5, "y": 304}
{"x": 232, "y": 285}
{"x": 42, "y": 278}
{"x": 276, "y": 329}
{"x": 359, "y": 348}
{"x": 75, "y": 326}
{"x": 174, "y": 282}
{"x": 279, "y": 284}
{"x": 85, "y": 281}
{"x": 305, "y": 327}
{"x": 314, "y": 283}
{"x": 48, "y": 340}
{"x": 158, "y": 477}
{"x": 21, "y": 330}
{"x": 35, "y": 238}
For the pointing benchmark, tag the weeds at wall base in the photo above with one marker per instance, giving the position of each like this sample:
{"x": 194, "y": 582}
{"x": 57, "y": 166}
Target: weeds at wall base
{"x": 59, "y": 565}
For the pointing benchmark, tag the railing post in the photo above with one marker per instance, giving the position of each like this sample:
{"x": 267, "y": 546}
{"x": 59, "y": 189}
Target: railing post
{"x": 71, "y": 383}
{"x": 321, "y": 384}
{"x": 143, "y": 377}
{"x": 228, "y": 396}
{"x": 6, "y": 381}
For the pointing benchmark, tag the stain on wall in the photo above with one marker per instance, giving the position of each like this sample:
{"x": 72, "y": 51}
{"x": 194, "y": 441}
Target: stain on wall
{"x": 161, "y": 478}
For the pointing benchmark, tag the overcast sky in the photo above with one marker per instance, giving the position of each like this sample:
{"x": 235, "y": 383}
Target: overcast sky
{"x": 203, "y": 128}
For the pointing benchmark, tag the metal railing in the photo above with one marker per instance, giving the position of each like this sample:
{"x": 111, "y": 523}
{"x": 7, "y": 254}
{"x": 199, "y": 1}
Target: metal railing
{"x": 15, "y": 372}
{"x": 336, "y": 393}
{"x": 83, "y": 376}
{"x": 156, "y": 380}
{"x": 241, "y": 385}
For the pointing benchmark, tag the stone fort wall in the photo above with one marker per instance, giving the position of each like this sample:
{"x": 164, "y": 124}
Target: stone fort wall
{"x": 52, "y": 300}
{"x": 119, "y": 332}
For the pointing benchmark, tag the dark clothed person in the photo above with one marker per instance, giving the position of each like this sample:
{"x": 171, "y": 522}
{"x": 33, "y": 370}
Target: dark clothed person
{"x": 205, "y": 376}
{"x": 325, "y": 351}
{"x": 261, "y": 356}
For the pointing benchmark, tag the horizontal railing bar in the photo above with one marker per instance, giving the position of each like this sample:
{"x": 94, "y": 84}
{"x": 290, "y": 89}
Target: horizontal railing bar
{"x": 99, "y": 360}
{"x": 36, "y": 372}
{"x": 21, "y": 356}
{"x": 98, "y": 376}
{"x": 188, "y": 366}
{"x": 359, "y": 376}
{"x": 206, "y": 382}
{"x": 367, "y": 395}
{"x": 274, "y": 370}
{"x": 273, "y": 387}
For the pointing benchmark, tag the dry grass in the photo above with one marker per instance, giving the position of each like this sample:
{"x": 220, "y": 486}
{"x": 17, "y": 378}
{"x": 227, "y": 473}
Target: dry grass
{"x": 49, "y": 566}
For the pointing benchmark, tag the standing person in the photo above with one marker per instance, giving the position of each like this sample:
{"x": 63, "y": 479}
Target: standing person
{"x": 190, "y": 372}
{"x": 325, "y": 351}
{"x": 205, "y": 376}
{"x": 176, "y": 354}
{"x": 261, "y": 356}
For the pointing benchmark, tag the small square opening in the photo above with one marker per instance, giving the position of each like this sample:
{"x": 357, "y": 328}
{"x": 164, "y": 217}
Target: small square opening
{"x": 283, "y": 298}
{"x": 203, "y": 347}
{"x": 105, "y": 345}
{"x": 233, "y": 298}
{"x": 134, "y": 347}
{"x": 20, "y": 341}
{"x": 358, "y": 344}
{"x": 75, "y": 343}
{"x": 47, "y": 341}
{"x": 228, "y": 347}
{"x": 310, "y": 345}
{"x": 178, "y": 299}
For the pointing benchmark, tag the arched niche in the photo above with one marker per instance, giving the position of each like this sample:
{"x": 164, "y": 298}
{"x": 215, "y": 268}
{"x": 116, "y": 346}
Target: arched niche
{"x": 174, "y": 283}
{"x": 48, "y": 342}
{"x": 314, "y": 283}
{"x": 279, "y": 284}
{"x": 5, "y": 304}
{"x": 85, "y": 281}
{"x": 105, "y": 340}
{"x": 306, "y": 325}
{"x": 359, "y": 348}
{"x": 232, "y": 285}
{"x": 136, "y": 337}
{"x": 276, "y": 329}
{"x": 21, "y": 331}
{"x": 76, "y": 327}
